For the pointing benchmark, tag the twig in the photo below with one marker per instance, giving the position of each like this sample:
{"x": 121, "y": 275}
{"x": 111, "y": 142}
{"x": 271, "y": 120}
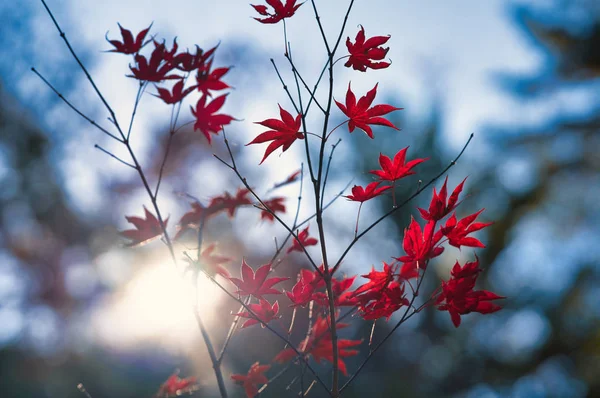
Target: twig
{"x": 102, "y": 129}
{"x": 112, "y": 155}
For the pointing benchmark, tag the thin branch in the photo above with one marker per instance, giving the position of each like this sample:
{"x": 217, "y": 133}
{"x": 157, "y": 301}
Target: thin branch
{"x": 102, "y": 129}
{"x": 265, "y": 207}
{"x": 114, "y": 156}
{"x": 285, "y": 87}
{"x": 138, "y": 97}
{"x": 327, "y": 170}
{"x": 297, "y": 73}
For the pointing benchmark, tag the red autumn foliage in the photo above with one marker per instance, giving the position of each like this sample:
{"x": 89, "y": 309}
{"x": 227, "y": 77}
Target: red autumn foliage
{"x": 361, "y": 114}
{"x": 174, "y": 386}
{"x": 275, "y": 205}
{"x": 129, "y": 45}
{"x": 282, "y": 132}
{"x": 251, "y": 380}
{"x": 319, "y": 344}
{"x": 256, "y": 283}
{"x": 280, "y": 10}
{"x": 438, "y": 207}
{"x": 398, "y": 168}
{"x": 458, "y": 297}
{"x": 360, "y": 194}
{"x": 364, "y": 52}
{"x": 262, "y": 312}
{"x": 207, "y": 120}
{"x": 303, "y": 241}
{"x": 146, "y": 229}
{"x": 457, "y": 232}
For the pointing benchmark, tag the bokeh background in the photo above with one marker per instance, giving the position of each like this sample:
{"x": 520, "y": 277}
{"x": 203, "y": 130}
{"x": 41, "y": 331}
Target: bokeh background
{"x": 78, "y": 307}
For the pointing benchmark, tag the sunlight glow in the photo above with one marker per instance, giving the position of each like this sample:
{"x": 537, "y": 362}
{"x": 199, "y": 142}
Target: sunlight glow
{"x": 155, "y": 307}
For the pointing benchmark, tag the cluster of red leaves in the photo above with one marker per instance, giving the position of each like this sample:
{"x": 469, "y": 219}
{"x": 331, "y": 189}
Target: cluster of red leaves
{"x": 174, "y": 386}
{"x": 251, "y": 380}
{"x": 318, "y": 344}
{"x": 458, "y": 297}
{"x": 164, "y": 64}
{"x": 280, "y": 10}
{"x": 384, "y": 292}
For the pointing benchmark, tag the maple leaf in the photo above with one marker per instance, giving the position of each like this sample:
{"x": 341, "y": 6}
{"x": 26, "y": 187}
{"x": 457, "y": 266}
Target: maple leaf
{"x": 207, "y": 80}
{"x": 438, "y": 208}
{"x": 342, "y": 296}
{"x": 319, "y": 344}
{"x": 282, "y": 132}
{"x": 146, "y": 229}
{"x": 386, "y": 301}
{"x": 290, "y": 179}
{"x": 175, "y": 386}
{"x": 206, "y": 119}
{"x": 363, "y": 53}
{"x": 212, "y": 263}
{"x": 252, "y": 379}
{"x": 280, "y": 11}
{"x": 176, "y": 95}
{"x": 420, "y": 245}
{"x": 360, "y": 194}
{"x": 301, "y": 293}
{"x": 303, "y": 241}
{"x": 263, "y": 311}
{"x": 188, "y": 62}
{"x": 398, "y": 168}
{"x": 458, "y": 297}
{"x": 256, "y": 283}
{"x": 457, "y": 232}
{"x": 128, "y": 45}
{"x": 275, "y": 205}
{"x": 156, "y": 69}
{"x": 361, "y": 114}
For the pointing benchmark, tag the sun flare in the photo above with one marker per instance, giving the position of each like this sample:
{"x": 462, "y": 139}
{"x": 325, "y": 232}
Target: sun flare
{"x": 155, "y": 307}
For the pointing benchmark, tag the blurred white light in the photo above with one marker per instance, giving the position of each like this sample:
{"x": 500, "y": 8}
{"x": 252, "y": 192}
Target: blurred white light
{"x": 155, "y": 307}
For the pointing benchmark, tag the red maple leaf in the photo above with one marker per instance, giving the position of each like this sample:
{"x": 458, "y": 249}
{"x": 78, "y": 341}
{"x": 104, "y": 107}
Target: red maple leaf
{"x": 176, "y": 95}
{"x": 146, "y": 229}
{"x": 398, "y": 168}
{"x": 290, "y": 179}
{"x": 263, "y": 311}
{"x": 301, "y": 293}
{"x": 129, "y": 45}
{"x": 319, "y": 344}
{"x": 438, "y": 208}
{"x": 256, "y": 283}
{"x": 252, "y": 379}
{"x": 208, "y": 80}
{"x": 175, "y": 386}
{"x": 361, "y": 114}
{"x": 360, "y": 194}
{"x": 157, "y": 68}
{"x": 212, "y": 263}
{"x": 384, "y": 303}
{"x": 457, "y": 232}
{"x": 188, "y": 62}
{"x": 363, "y": 53}
{"x": 420, "y": 245}
{"x": 206, "y": 119}
{"x": 280, "y": 11}
{"x": 282, "y": 132}
{"x": 275, "y": 205}
{"x": 303, "y": 241}
{"x": 458, "y": 297}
